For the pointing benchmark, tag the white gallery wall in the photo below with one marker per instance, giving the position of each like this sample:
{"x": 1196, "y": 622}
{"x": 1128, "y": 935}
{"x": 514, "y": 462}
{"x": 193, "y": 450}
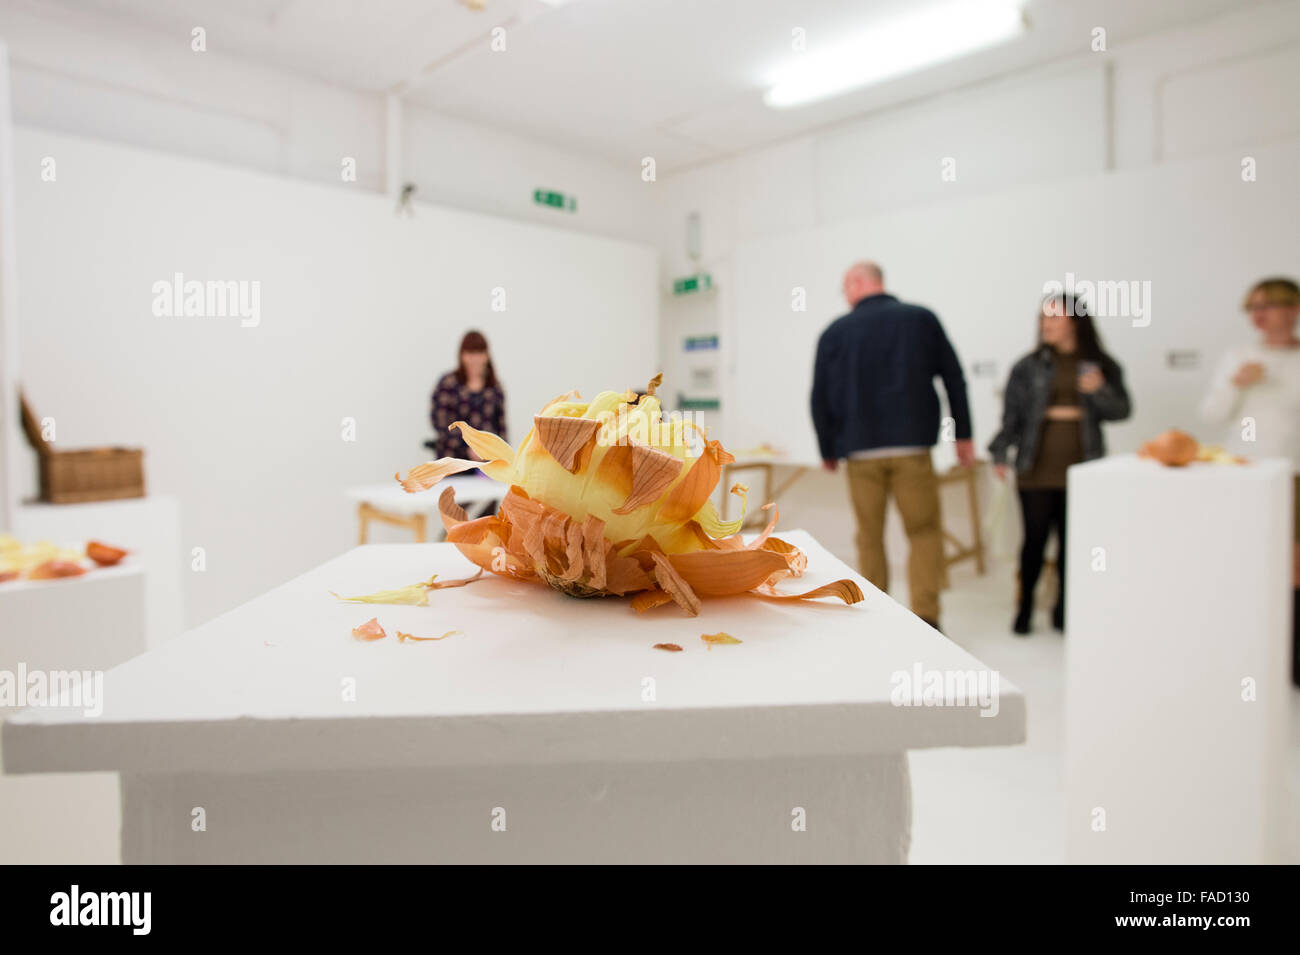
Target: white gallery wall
{"x": 1182, "y": 107}
{"x": 103, "y": 77}
{"x": 361, "y": 311}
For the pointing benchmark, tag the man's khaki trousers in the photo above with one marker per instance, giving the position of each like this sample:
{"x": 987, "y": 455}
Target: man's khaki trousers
{"x": 910, "y": 478}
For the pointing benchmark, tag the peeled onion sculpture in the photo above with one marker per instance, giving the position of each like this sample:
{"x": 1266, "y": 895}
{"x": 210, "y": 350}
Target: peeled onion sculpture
{"x": 607, "y": 498}
{"x": 1172, "y": 448}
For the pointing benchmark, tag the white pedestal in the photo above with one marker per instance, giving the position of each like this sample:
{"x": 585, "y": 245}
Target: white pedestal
{"x": 91, "y": 622}
{"x": 556, "y": 712}
{"x": 149, "y": 527}
{"x": 1193, "y": 601}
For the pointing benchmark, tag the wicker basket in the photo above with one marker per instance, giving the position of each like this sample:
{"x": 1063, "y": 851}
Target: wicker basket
{"x": 97, "y": 474}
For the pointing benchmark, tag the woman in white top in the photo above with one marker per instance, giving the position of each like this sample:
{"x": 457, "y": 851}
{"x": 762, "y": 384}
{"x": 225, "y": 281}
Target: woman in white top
{"x": 1255, "y": 393}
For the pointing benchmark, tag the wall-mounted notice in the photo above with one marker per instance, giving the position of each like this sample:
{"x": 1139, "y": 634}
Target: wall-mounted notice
{"x": 697, "y": 404}
{"x": 700, "y": 343}
{"x": 556, "y": 200}
{"x": 1183, "y": 359}
{"x": 988, "y": 368}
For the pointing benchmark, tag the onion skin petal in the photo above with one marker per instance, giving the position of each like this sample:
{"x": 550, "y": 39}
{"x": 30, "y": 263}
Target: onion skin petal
{"x": 103, "y": 554}
{"x": 846, "y": 590}
{"x": 424, "y": 476}
{"x": 370, "y": 630}
{"x": 567, "y": 440}
{"x": 492, "y": 448}
{"x": 458, "y": 582}
{"x": 649, "y": 599}
{"x": 416, "y": 595}
{"x": 668, "y": 578}
{"x": 718, "y": 639}
{"x": 55, "y": 569}
{"x": 725, "y": 573}
{"x": 652, "y": 471}
{"x": 695, "y": 489}
{"x": 403, "y": 637}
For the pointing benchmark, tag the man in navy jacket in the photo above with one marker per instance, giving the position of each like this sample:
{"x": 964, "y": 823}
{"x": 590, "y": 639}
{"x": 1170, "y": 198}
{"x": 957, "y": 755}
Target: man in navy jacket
{"x": 874, "y": 403}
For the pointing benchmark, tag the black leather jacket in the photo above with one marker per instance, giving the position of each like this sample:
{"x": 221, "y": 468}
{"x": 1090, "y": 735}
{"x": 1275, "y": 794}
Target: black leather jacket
{"x": 1025, "y": 404}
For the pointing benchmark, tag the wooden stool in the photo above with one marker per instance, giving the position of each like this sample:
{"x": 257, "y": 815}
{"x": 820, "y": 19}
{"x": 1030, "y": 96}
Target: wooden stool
{"x": 974, "y": 550}
{"x": 389, "y": 504}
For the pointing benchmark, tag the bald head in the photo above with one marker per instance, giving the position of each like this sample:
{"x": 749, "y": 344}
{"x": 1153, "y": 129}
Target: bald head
{"x": 862, "y": 279}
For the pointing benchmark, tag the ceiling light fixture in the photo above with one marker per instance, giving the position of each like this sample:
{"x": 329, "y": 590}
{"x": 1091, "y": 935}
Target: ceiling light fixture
{"x": 941, "y": 32}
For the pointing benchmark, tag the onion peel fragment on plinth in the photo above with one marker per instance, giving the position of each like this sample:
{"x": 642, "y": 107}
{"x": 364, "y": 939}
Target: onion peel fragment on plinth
{"x": 718, "y": 639}
{"x": 370, "y": 630}
{"x": 416, "y": 595}
{"x": 607, "y": 498}
{"x": 403, "y": 637}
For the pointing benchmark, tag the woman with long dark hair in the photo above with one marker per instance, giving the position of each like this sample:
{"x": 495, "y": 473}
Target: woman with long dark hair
{"x": 1056, "y": 399}
{"x": 471, "y": 393}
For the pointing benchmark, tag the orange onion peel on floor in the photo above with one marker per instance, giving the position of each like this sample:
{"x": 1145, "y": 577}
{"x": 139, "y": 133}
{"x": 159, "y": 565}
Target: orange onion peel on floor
{"x": 608, "y": 498}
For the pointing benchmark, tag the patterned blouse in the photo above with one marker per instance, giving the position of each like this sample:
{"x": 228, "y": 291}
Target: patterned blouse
{"x": 452, "y": 401}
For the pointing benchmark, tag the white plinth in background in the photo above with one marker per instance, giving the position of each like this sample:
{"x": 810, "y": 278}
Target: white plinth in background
{"x": 149, "y": 527}
{"x": 1178, "y": 604}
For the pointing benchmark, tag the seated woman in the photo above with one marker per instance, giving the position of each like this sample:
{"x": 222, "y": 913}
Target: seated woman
{"x": 471, "y": 393}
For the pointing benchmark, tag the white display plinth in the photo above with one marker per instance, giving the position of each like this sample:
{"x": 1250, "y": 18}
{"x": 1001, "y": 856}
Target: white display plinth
{"x": 149, "y": 527}
{"x": 91, "y": 622}
{"x": 1178, "y": 604}
{"x": 551, "y": 713}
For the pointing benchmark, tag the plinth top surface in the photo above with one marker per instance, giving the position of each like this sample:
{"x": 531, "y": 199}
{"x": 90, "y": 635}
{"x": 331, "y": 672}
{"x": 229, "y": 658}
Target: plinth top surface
{"x": 533, "y": 675}
{"x": 1126, "y": 467}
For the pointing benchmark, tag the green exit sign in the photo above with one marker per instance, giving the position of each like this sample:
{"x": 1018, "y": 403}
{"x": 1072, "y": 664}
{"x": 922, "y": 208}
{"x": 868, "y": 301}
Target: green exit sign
{"x": 556, "y": 200}
{"x": 700, "y": 282}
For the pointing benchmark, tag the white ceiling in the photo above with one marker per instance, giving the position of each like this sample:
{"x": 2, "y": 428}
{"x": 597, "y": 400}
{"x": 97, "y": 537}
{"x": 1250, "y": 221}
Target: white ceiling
{"x": 680, "y": 80}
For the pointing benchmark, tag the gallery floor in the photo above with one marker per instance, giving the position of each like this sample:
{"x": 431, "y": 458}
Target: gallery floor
{"x": 1000, "y": 805}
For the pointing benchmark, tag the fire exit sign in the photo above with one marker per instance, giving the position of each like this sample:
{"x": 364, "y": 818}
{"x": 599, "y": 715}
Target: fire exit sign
{"x": 701, "y": 282}
{"x": 556, "y": 200}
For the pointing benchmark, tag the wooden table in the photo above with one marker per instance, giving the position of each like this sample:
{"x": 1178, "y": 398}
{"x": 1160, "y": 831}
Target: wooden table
{"x": 764, "y": 464}
{"x": 550, "y": 730}
{"x": 389, "y": 504}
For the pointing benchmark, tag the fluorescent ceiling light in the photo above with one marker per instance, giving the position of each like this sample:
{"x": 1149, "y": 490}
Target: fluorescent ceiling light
{"x": 942, "y": 31}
